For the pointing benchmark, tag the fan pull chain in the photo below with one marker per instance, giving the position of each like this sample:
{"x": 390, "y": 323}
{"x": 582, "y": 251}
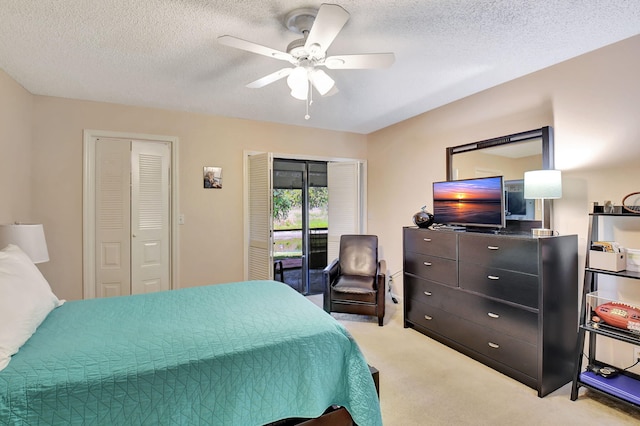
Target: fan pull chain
{"x": 309, "y": 102}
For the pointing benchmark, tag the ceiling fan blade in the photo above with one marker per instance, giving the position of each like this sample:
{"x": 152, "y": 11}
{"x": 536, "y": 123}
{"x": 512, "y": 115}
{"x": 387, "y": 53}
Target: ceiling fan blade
{"x": 250, "y": 46}
{"x": 326, "y": 26}
{"x": 268, "y": 79}
{"x": 364, "y": 61}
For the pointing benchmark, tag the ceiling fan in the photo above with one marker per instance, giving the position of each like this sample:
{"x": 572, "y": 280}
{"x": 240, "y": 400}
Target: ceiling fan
{"x": 319, "y": 27}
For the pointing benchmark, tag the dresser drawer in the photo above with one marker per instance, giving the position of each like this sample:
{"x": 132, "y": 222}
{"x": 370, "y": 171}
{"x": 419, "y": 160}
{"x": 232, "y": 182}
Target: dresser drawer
{"x": 505, "y": 349}
{"x": 429, "y": 293}
{"x": 517, "y": 254}
{"x": 500, "y": 347}
{"x": 436, "y": 320}
{"x": 433, "y": 268}
{"x": 434, "y": 243}
{"x": 502, "y": 284}
{"x": 515, "y": 322}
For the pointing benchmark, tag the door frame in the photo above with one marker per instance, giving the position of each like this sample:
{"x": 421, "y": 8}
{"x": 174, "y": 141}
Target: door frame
{"x": 245, "y": 188}
{"x": 88, "y": 204}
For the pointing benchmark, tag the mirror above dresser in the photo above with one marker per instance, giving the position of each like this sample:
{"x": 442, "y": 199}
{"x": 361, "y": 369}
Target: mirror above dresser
{"x": 509, "y": 156}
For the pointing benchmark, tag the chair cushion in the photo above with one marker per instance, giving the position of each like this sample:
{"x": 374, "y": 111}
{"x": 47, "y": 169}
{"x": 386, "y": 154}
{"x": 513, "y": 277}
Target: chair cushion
{"x": 354, "y": 287}
{"x": 355, "y": 284}
{"x": 358, "y": 255}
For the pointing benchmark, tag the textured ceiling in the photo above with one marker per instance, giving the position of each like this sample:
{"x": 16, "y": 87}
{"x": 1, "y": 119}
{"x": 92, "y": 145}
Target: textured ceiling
{"x": 164, "y": 54}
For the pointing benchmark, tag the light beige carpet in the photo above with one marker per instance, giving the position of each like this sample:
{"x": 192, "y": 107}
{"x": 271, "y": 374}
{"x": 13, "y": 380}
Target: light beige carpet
{"x": 423, "y": 382}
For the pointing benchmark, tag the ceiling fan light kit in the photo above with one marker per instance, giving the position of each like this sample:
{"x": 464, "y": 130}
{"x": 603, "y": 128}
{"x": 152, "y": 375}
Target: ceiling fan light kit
{"x": 319, "y": 28}
{"x": 298, "y": 82}
{"x": 321, "y": 81}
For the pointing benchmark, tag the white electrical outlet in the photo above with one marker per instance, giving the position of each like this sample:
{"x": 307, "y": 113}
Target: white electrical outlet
{"x": 636, "y": 353}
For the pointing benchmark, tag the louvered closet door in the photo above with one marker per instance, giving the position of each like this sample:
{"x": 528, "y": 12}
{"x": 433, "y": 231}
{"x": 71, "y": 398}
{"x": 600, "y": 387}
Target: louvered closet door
{"x": 260, "y": 256}
{"x": 113, "y": 272}
{"x": 345, "y": 203}
{"x": 150, "y": 172}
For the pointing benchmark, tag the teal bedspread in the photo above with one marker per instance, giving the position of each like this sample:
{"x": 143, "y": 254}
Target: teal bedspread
{"x": 244, "y": 353}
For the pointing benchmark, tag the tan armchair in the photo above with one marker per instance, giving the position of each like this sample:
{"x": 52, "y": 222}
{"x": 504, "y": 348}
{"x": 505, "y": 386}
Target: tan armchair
{"x": 354, "y": 283}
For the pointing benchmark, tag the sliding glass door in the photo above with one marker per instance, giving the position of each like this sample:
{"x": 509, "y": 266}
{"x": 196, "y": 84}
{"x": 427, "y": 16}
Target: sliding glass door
{"x": 300, "y": 223}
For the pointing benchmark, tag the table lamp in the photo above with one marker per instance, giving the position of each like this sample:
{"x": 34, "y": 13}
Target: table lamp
{"x": 29, "y": 237}
{"x": 542, "y": 185}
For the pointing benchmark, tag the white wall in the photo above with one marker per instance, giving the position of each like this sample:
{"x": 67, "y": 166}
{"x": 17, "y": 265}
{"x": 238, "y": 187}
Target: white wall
{"x": 16, "y": 111}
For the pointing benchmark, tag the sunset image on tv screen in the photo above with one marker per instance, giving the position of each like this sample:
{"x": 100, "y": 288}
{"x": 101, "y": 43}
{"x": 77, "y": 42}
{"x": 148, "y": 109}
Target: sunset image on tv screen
{"x": 469, "y": 202}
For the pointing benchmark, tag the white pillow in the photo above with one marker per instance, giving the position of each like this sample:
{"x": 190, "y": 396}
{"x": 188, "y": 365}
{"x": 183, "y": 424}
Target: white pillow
{"x": 25, "y": 301}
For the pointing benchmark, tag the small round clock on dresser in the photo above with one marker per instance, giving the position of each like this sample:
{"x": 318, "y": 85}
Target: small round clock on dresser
{"x": 423, "y": 219}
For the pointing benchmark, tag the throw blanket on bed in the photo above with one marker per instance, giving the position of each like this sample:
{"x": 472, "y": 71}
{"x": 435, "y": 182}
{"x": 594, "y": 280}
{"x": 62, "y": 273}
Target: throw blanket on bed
{"x": 244, "y": 353}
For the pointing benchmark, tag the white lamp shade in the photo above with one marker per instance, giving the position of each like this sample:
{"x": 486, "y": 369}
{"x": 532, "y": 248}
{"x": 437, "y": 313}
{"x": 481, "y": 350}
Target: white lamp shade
{"x": 30, "y": 239}
{"x": 321, "y": 81}
{"x": 543, "y": 184}
{"x": 298, "y": 82}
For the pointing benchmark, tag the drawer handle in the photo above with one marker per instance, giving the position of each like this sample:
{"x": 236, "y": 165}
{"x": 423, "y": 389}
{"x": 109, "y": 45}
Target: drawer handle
{"x": 493, "y": 277}
{"x": 428, "y": 318}
{"x": 427, "y": 239}
{"x": 493, "y": 247}
{"x": 426, "y": 263}
{"x": 427, "y": 293}
{"x": 494, "y": 345}
{"x": 492, "y": 315}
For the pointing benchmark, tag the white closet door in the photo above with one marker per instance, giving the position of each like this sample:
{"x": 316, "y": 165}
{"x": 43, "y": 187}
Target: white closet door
{"x": 345, "y": 203}
{"x": 150, "y": 236}
{"x": 112, "y": 207}
{"x": 260, "y": 256}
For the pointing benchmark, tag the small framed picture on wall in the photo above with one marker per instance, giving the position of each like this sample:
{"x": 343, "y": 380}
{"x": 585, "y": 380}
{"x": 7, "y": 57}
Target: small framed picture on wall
{"x": 212, "y": 177}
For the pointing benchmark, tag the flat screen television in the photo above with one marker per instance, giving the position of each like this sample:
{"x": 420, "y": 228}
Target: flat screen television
{"x": 478, "y": 202}
{"x": 516, "y": 206}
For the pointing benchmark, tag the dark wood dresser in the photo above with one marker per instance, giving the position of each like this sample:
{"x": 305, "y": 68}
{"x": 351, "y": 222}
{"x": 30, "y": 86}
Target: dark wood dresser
{"x": 510, "y": 302}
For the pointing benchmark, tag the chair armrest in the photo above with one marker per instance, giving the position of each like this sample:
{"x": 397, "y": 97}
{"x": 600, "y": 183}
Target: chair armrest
{"x": 331, "y": 272}
{"x": 329, "y": 276}
{"x": 381, "y": 273}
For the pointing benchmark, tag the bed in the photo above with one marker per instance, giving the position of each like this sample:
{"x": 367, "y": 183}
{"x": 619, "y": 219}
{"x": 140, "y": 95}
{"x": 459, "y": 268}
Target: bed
{"x": 247, "y": 353}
